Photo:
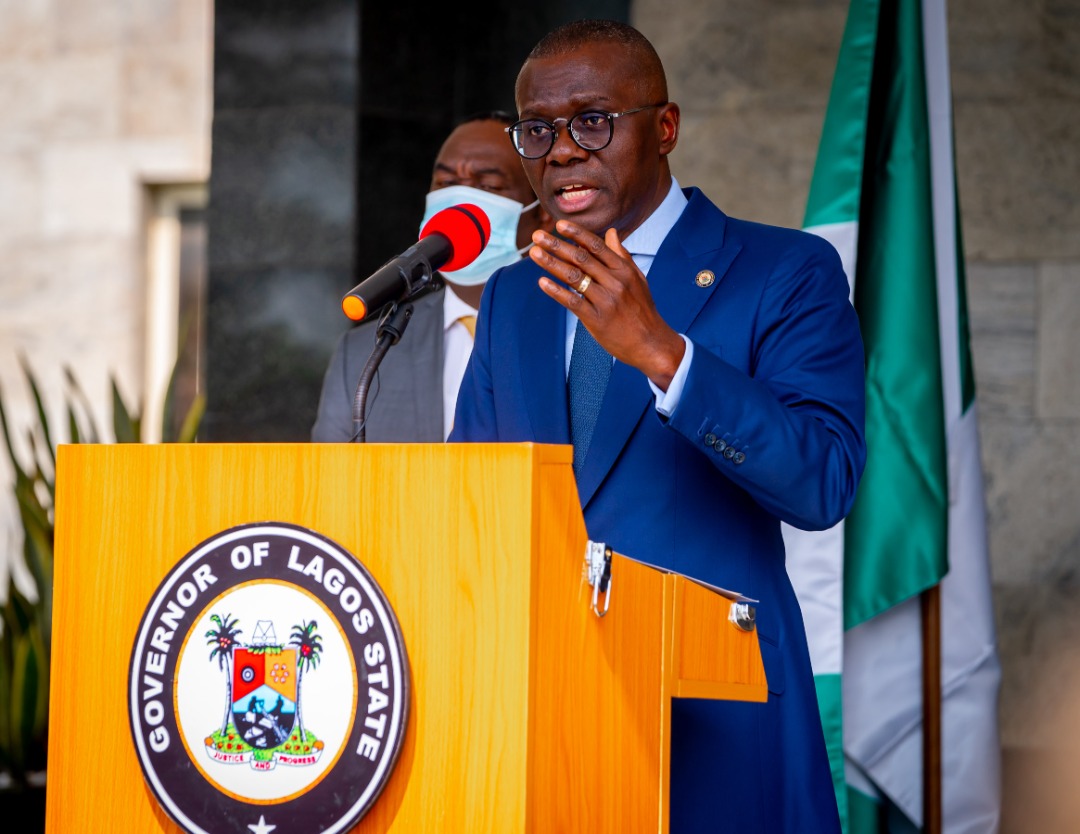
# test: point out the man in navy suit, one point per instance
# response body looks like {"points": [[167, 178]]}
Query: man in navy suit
{"points": [[727, 397]]}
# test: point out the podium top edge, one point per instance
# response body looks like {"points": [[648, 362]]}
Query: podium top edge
{"points": [[545, 452]]}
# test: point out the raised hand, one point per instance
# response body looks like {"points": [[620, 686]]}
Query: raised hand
{"points": [[603, 287]]}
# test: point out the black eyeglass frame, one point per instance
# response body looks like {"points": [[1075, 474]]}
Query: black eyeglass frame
{"points": [[516, 127]]}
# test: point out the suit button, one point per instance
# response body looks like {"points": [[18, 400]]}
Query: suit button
{"points": [[710, 439], [720, 445], [729, 452], [739, 458]]}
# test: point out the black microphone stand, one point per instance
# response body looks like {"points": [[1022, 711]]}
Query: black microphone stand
{"points": [[389, 334]]}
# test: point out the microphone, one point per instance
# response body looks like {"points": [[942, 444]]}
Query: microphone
{"points": [[451, 239]]}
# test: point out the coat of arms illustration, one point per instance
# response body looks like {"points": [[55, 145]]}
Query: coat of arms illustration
{"points": [[262, 723]]}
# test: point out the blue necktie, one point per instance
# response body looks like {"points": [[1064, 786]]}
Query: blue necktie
{"points": [[590, 368]]}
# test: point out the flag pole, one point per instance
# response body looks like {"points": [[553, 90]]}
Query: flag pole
{"points": [[930, 600]]}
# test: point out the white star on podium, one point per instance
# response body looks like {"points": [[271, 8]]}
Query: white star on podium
{"points": [[261, 827]]}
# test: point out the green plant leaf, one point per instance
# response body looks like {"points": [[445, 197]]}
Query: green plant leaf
{"points": [[38, 552], [19, 471], [73, 425], [39, 656], [42, 416], [190, 428], [92, 434], [169, 405], [38, 476], [187, 430], [26, 634], [125, 426], [25, 682], [29, 501], [18, 613]]}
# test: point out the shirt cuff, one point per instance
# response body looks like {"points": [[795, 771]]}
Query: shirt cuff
{"points": [[667, 401]]}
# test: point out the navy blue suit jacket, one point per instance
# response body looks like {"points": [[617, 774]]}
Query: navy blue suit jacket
{"points": [[777, 375]]}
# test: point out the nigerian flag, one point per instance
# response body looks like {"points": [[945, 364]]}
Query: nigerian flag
{"points": [[884, 194]]}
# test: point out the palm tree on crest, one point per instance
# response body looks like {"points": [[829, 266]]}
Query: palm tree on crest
{"points": [[308, 645], [222, 640]]}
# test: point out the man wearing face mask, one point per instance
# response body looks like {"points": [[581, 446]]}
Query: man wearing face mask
{"points": [[413, 399]]}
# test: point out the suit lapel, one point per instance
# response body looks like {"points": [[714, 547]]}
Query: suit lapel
{"points": [[541, 343], [696, 243]]}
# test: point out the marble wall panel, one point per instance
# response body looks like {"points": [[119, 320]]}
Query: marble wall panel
{"points": [[162, 87], [88, 189], [283, 54], [77, 25], [170, 22], [283, 187], [281, 212], [81, 305], [27, 33], [739, 54], [1003, 315], [82, 91], [1018, 165], [268, 331], [1006, 51], [754, 163], [1058, 381], [20, 195]]}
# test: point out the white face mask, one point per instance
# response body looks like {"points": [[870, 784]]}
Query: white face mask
{"points": [[502, 212]]}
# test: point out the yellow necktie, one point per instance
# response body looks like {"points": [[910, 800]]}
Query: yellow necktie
{"points": [[470, 324]]}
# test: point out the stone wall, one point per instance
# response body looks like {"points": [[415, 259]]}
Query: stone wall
{"points": [[753, 79], [99, 100]]}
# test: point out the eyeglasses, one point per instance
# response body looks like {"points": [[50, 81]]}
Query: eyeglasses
{"points": [[591, 130]]}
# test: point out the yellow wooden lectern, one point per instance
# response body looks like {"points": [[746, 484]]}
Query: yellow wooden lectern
{"points": [[529, 713]]}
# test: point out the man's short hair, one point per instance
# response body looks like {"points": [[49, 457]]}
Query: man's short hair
{"points": [[571, 36]]}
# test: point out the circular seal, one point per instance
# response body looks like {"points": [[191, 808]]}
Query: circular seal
{"points": [[705, 278], [269, 685]]}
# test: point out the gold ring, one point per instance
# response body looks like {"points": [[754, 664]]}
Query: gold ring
{"points": [[584, 285]]}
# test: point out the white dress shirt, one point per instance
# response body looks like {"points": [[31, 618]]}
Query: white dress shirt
{"points": [[457, 347]]}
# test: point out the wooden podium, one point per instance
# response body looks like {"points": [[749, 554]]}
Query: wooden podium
{"points": [[528, 712]]}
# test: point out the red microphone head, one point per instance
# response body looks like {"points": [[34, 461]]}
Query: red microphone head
{"points": [[466, 227]]}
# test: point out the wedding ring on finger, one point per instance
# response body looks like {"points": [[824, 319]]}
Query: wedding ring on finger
{"points": [[584, 285]]}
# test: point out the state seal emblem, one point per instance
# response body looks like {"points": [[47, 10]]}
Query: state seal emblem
{"points": [[268, 686]]}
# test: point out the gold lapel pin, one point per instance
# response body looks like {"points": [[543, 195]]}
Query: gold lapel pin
{"points": [[705, 278]]}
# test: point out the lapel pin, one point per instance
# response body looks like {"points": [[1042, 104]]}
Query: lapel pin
{"points": [[705, 278]]}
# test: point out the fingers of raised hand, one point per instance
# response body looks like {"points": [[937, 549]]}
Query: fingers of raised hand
{"points": [[572, 301], [565, 261], [591, 244]]}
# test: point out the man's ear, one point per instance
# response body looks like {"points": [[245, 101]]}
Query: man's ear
{"points": [[669, 128]]}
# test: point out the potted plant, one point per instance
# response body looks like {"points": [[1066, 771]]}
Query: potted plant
{"points": [[26, 619]]}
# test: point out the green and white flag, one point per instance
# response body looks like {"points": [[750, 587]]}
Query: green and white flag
{"points": [[884, 194]]}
